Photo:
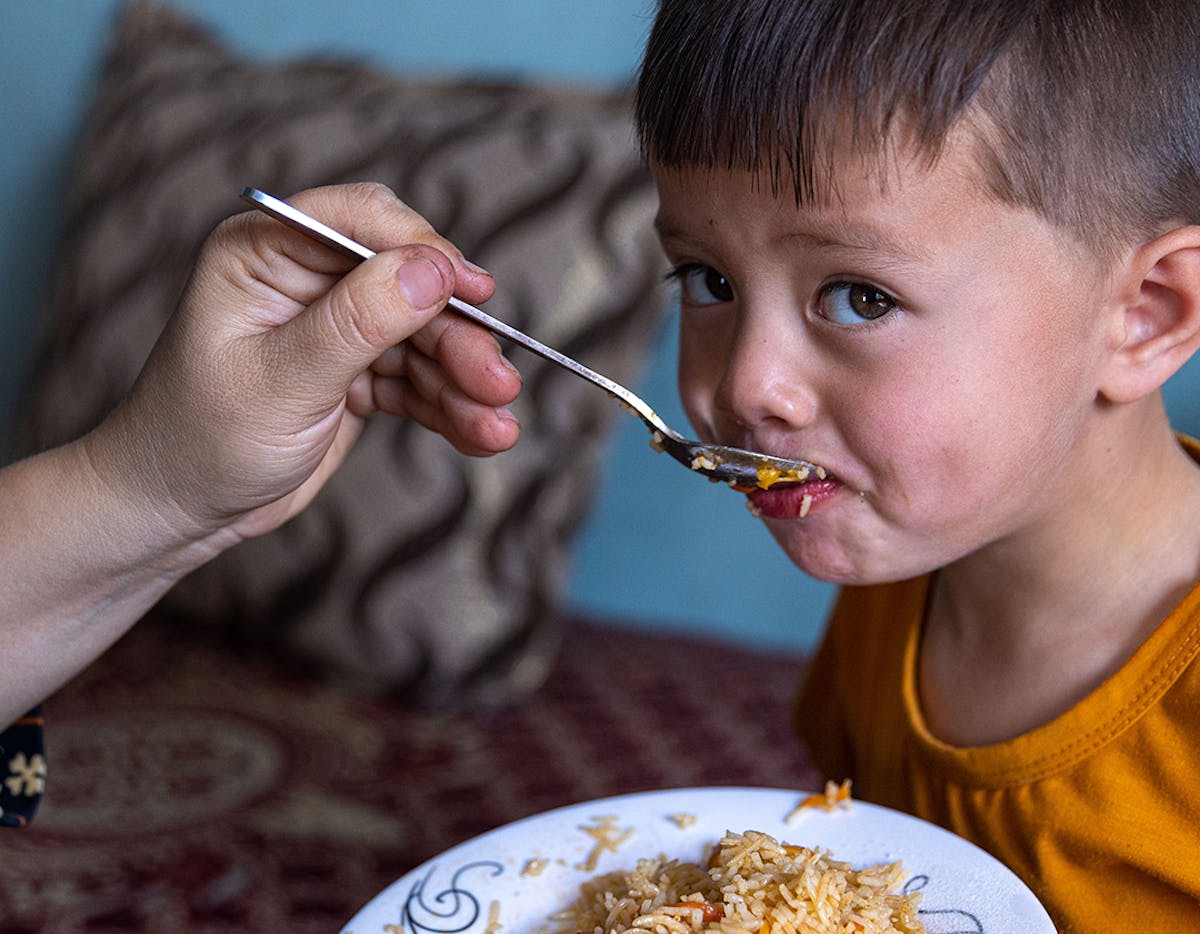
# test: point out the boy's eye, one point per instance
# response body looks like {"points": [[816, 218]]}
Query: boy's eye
{"points": [[854, 303], [702, 285]]}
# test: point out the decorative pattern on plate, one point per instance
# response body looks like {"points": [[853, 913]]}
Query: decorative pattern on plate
{"points": [[452, 910], [943, 920]]}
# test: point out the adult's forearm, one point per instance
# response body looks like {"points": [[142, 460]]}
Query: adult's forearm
{"points": [[83, 561]]}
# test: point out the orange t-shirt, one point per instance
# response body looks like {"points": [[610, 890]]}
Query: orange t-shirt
{"points": [[1098, 810]]}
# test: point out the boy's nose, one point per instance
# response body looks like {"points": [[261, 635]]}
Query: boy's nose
{"points": [[767, 385]]}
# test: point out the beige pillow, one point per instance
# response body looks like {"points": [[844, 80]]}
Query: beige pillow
{"points": [[418, 570]]}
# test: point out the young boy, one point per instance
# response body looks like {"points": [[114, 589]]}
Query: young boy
{"points": [[947, 250]]}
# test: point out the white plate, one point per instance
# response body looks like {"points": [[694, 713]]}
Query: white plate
{"points": [[489, 879]]}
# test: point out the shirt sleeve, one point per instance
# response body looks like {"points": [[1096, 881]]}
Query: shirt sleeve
{"points": [[22, 770]]}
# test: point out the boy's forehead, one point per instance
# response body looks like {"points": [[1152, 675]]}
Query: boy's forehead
{"points": [[906, 211], [852, 185], [828, 177], [703, 209]]}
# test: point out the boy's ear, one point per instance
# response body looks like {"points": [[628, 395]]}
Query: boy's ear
{"points": [[1157, 326]]}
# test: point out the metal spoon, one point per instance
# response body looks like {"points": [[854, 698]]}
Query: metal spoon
{"points": [[741, 469]]}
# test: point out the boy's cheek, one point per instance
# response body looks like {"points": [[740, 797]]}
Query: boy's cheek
{"points": [[699, 378], [698, 407]]}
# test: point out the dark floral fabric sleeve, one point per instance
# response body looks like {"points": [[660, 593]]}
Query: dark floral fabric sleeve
{"points": [[22, 770]]}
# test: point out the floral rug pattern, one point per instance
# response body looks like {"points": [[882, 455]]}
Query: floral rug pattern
{"points": [[190, 789]]}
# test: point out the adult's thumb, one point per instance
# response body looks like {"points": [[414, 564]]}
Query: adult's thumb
{"points": [[375, 306], [421, 282]]}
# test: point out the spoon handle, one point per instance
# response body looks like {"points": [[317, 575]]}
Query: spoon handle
{"points": [[313, 228]]}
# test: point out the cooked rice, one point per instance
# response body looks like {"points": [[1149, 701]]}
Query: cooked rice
{"points": [[493, 921], [755, 885], [607, 836]]}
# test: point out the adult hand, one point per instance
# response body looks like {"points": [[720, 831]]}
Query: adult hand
{"points": [[253, 395], [281, 348]]}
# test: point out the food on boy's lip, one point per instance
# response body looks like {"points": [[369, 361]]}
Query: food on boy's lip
{"points": [[790, 500], [751, 884]]}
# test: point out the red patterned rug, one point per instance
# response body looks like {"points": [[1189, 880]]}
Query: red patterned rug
{"points": [[190, 790]]}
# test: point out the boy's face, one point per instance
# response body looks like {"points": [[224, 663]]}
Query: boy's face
{"points": [[937, 352]]}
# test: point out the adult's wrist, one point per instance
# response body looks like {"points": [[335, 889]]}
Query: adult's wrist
{"points": [[133, 497]]}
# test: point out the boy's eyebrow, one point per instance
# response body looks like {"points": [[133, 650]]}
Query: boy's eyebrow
{"points": [[667, 231], [862, 239]]}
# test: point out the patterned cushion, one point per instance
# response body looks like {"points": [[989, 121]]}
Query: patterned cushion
{"points": [[418, 570]]}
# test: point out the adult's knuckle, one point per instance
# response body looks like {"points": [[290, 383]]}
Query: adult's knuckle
{"points": [[352, 320], [393, 223], [373, 197]]}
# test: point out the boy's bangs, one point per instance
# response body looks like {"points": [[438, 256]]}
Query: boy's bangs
{"points": [[1084, 111], [781, 89]]}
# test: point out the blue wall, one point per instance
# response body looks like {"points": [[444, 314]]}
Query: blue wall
{"points": [[646, 554]]}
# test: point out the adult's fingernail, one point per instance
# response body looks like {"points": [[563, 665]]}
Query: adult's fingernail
{"points": [[421, 282], [474, 267], [509, 366]]}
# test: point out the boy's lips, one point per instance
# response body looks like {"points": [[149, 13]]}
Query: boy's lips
{"points": [[792, 500]]}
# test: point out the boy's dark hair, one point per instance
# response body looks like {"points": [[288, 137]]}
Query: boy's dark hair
{"points": [[1087, 111]]}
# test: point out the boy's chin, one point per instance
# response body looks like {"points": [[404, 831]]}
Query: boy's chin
{"points": [[855, 565]]}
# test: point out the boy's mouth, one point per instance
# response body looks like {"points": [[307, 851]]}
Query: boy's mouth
{"points": [[791, 500]]}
